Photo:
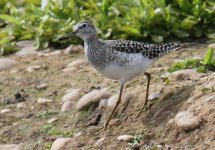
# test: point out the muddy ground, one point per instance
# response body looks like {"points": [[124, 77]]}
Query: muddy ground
{"points": [[152, 130]]}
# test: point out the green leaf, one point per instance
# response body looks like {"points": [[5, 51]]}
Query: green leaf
{"points": [[10, 19], [201, 69], [208, 59]]}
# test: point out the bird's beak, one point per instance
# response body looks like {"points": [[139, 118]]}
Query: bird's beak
{"points": [[71, 34]]}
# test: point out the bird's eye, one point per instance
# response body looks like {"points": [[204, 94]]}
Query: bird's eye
{"points": [[84, 25]]}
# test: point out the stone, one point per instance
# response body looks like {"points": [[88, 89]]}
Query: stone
{"points": [[26, 48], [91, 98], [42, 86], [100, 142], [126, 138], [66, 106], [33, 68], [59, 143], [186, 74], [113, 99], [44, 101], [3, 111], [186, 120], [79, 63], [73, 49], [6, 63], [10, 147], [52, 120], [56, 52], [70, 69], [73, 95], [154, 96], [21, 105], [212, 46]]}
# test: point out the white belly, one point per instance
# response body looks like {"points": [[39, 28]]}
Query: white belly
{"points": [[135, 68]]}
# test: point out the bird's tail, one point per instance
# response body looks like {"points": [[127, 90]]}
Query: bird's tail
{"points": [[164, 48]]}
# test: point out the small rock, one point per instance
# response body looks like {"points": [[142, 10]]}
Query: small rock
{"points": [[20, 105], [14, 71], [73, 95], [100, 142], [10, 147], [59, 143], [73, 49], [66, 106], [91, 98], [126, 138], [165, 75], [42, 86], [3, 111], [52, 120], [103, 103], [78, 63], [56, 52], [154, 96], [78, 134], [44, 100], [33, 68], [186, 74], [26, 48], [113, 99], [6, 63], [70, 69], [212, 46], [187, 121]]}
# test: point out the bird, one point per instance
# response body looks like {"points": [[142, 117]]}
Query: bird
{"points": [[121, 60]]}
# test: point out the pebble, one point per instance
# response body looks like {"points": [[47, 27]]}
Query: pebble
{"points": [[3, 111], [154, 96], [57, 52], [44, 100], [34, 68], [126, 138], [20, 105], [70, 69], [186, 74], [90, 98], [212, 46], [42, 86], [6, 63], [10, 147], [72, 95], [59, 143], [52, 120], [27, 48], [79, 63], [187, 120], [111, 102], [100, 142], [66, 106], [73, 49]]}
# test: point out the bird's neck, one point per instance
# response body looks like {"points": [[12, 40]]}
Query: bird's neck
{"points": [[92, 42]]}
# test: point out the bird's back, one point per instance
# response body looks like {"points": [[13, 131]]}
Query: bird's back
{"points": [[151, 51]]}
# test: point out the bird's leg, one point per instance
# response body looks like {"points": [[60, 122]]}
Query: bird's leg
{"points": [[147, 93], [117, 103]]}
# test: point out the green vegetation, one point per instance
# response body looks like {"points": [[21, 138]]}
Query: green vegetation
{"points": [[51, 130], [208, 63], [148, 20]]}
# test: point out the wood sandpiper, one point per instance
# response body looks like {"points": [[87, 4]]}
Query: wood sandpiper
{"points": [[120, 60]]}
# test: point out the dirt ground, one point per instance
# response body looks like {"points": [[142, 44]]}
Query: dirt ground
{"points": [[153, 130]]}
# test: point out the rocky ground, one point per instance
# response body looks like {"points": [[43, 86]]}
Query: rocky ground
{"points": [[56, 100]]}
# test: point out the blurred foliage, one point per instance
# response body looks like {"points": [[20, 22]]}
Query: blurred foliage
{"points": [[148, 20], [207, 64]]}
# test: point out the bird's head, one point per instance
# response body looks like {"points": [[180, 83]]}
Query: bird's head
{"points": [[83, 29]]}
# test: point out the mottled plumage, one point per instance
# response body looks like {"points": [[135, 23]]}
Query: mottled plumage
{"points": [[119, 59]]}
